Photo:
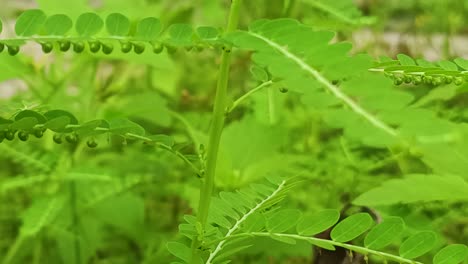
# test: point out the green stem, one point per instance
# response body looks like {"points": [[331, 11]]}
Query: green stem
{"points": [[13, 250], [247, 95], [220, 105]]}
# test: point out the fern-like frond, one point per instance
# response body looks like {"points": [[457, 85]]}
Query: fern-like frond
{"points": [[305, 61], [270, 196], [55, 31], [231, 213]]}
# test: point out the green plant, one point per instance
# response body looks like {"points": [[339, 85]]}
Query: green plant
{"points": [[352, 97]]}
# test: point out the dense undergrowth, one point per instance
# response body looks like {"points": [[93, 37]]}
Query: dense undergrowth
{"points": [[150, 133]]}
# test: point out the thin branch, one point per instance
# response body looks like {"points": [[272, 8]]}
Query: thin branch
{"points": [[248, 94]]}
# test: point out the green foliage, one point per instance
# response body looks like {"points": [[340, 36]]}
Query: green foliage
{"points": [[416, 188], [409, 71], [50, 31]]}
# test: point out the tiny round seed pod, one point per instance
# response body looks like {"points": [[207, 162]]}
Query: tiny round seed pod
{"points": [[189, 48], [58, 138], [138, 48], [437, 81], [407, 79], [171, 49], [199, 48], [107, 48], [126, 47], [10, 135], [417, 80], [13, 50], [458, 81], [398, 80], [38, 133], [448, 79], [65, 46], [427, 79], [23, 135], [158, 48], [94, 46], [71, 138], [2, 47], [47, 47], [78, 47], [283, 89], [91, 143]]}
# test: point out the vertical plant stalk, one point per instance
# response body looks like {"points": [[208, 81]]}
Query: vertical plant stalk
{"points": [[220, 105]]}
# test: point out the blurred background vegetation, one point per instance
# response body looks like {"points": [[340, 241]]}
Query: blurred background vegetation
{"points": [[130, 198]]}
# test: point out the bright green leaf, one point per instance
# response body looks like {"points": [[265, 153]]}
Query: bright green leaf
{"points": [[88, 24], [181, 34], [451, 254], [148, 29], [418, 244], [117, 24], [30, 22], [123, 127], [405, 60], [351, 227], [283, 220], [312, 224], [207, 32], [179, 250], [384, 233], [58, 25], [416, 188]]}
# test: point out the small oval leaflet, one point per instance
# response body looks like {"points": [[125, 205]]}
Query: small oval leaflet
{"points": [[207, 32], [451, 254], [58, 25], [179, 250], [283, 220], [88, 24], [312, 224], [148, 29], [30, 22], [181, 34], [351, 227], [418, 244], [122, 126], [59, 119], [384, 233], [117, 24]]}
